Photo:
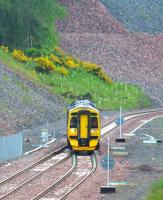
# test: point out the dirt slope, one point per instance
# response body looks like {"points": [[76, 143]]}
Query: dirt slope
{"points": [[23, 104], [88, 17]]}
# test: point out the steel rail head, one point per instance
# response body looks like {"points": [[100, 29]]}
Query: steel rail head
{"points": [[34, 164], [135, 115], [36, 176], [94, 167], [53, 185]]}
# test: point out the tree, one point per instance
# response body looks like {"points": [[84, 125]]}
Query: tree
{"points": [[30, 23]]}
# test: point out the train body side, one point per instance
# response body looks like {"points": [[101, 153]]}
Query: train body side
{"points": [[83, 128]]}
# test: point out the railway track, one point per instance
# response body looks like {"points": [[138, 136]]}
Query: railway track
{"points": [[112, 125], [66, 176], [27, 171], [105, 131], [58, 151], [94, 166]]}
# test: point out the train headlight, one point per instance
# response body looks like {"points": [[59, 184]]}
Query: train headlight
{"points": [[73, 130], [93, 130]]}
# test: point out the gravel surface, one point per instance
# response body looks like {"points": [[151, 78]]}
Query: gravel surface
{"points": [[133, 168], [88, 17], [20, 163], [83, 168], [24, 104], [41, 183]]}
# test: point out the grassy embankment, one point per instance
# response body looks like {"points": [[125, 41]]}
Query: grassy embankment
{"points": [[156, 191], [80, 83]]}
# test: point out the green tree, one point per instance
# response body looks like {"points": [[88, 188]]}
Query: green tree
{"points": [[30, 23]]}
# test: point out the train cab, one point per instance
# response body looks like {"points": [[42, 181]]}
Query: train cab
{"points": [[83, 126]]}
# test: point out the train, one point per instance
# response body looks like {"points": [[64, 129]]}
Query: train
{"points": [[83, 126]]}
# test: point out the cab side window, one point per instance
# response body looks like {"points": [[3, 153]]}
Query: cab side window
{"points": [[73, 122], [94, 122]]}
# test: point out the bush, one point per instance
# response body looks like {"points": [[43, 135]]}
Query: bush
{"points": [[32, 52], [63, 71], [55, 59], [20, 56], [44, 64], [5, 49], [97, 70], [70, 63]]}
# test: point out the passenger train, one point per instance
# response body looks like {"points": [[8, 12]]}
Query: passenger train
{"points": [[83, 126]]}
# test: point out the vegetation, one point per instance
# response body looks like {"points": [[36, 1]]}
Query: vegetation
{"points": [[28, 38], [156, 191], [75, 79], [29, 23], [139, 15]]}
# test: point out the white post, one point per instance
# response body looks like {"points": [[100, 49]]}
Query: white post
{"points": [[120, 123], [54, 134], [108, 180]]}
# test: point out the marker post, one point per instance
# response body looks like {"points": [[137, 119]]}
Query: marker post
{"points": [[108, 188], [120, 139]]}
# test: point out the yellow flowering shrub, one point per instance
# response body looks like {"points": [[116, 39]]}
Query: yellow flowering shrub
{"points": [[20, 56], [101, 74], [45, 64], [5, 49], [90, 66], [96, 70], [55, 59], [63, 71], [70, 63]]}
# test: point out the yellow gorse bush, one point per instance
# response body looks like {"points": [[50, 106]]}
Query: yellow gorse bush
{"points": [[45, 64], [70, 63], [59, 63], [55, 59], [63, 71], [5, 49], [20, 56], [96, 69], [90, 66]]}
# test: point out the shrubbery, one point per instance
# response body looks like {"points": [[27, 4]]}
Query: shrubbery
{"points": [[57, 61], [20, 56]]}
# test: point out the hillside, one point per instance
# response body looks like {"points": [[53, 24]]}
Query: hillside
{"points": [[88, 17], [24, 104], [139, 15], [130, 57]]}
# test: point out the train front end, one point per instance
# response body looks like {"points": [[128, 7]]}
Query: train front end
{"points": [[83, 126]]}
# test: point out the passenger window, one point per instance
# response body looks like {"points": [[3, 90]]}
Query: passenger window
{"points": [[94, 122], [73, 122]]}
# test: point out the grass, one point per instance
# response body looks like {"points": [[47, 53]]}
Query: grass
{"points": [[156, 191], [82, 84]]}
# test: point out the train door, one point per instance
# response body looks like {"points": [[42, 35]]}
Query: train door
{"points": [[84, 128]]}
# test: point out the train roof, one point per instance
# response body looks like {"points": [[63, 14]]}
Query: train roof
{"points": [[82, 103]]}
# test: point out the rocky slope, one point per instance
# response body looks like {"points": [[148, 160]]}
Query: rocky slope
{"points": [[88, 17], [23, 104], [130, 57]]}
